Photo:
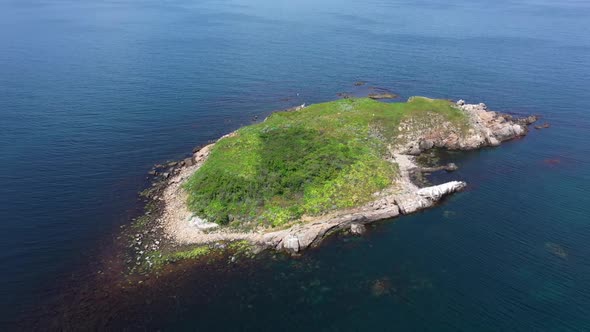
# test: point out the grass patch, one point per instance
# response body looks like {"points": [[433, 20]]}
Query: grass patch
{"points": [[190, 254], [241, 246], [327, 156], [157, 259]]}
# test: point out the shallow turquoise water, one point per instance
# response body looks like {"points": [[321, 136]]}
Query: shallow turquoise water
{"points": [[93, 93]]}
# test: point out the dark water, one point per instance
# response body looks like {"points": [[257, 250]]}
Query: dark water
{"points": [[92, 93]]}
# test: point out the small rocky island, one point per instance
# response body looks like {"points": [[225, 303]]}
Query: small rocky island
{"points": [[304, 173]]}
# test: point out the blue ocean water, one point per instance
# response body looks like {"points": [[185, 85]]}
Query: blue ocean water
{"points": [[92, 93]]}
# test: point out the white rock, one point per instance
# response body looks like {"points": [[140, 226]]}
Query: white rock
{"points": [[435, 193], [202, 224], [291, 242], [426, 197]]}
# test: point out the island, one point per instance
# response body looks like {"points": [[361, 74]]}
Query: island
{"points": [[301, 174]]}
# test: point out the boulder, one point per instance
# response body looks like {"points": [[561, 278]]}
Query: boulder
{"points": [[529, 119], [413, 150], [451, 167], [357, 229], [189, 162], [426, 144], [291, 243]]}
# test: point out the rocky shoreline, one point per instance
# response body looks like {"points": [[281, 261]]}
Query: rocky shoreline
{"points": [[179, 227]]}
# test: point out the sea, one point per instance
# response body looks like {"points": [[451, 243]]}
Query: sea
{"points": [[93, 93]]}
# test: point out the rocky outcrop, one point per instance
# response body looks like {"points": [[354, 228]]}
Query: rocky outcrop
{"points": [[435, 193], [357, 229], [491, 128], [486, 128], [305, 235]]}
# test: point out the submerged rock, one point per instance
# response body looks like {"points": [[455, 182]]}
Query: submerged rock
{"points": [[485, 128], [450, 167], [382, 95], [543, 126], [447, 214], [556, 250], [381, 287]]}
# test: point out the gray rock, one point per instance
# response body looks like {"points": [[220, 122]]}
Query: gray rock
{"points": [[414, 150], [189, 162], [357, 229], [450, 167], [426, 144]]}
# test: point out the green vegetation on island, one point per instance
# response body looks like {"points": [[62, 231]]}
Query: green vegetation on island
{"points": [[318, 159]]}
